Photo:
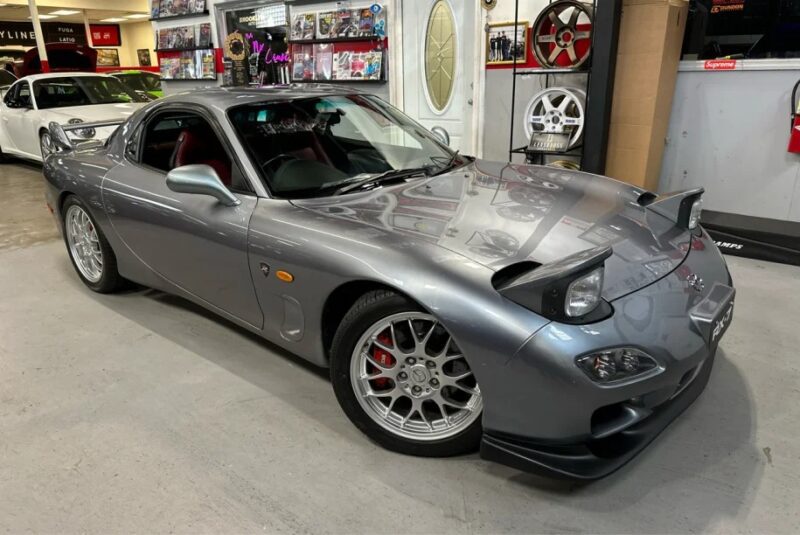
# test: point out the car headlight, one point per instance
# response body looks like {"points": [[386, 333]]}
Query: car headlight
{"points": [[616, 364], [568, 290], [87, 133], [694, 213], [583, 294]]}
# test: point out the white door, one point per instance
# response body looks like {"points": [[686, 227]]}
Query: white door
{"points": [[438, 66]]}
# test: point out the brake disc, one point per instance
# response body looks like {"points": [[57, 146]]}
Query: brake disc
{"points": [[557, 110], [558, 29]]}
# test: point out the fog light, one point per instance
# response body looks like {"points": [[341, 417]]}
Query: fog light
{"points": [[616, 364]]}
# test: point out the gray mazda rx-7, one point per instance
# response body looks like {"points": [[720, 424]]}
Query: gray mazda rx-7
{"points": [[558, 319]]}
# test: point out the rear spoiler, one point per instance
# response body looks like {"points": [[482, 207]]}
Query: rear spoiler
{"points": [[58, 133], [675, 206]]}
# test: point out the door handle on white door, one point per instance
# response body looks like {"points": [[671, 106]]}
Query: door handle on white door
{"points": [[469, 101]]}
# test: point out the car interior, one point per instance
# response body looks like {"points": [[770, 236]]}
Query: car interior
{"points": [[173, 140]]}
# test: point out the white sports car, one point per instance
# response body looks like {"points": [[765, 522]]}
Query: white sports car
{"points": [[33, 102]]}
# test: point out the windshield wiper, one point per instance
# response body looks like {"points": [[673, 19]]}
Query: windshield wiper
{"points": [[393, 174], [451, 162]]}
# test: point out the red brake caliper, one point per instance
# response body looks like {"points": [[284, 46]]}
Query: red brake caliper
{"points": [[385, 359]]}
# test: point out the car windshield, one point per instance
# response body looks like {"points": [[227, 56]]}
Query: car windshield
{"points": [[140, 81], [81, 91], [317, 146]]}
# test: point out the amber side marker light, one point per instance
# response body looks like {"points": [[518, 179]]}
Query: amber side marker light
{"points": [[285, 276]]}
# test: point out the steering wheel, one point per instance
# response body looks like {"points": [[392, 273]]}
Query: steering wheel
{"points": [[267, 166]]}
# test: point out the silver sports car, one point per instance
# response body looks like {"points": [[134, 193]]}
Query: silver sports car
{"points": [[559, 320]]}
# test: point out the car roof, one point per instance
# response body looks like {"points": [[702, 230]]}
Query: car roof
{"points": [[45, 76], [228, 97]]}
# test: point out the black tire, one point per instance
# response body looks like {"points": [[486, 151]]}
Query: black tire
{"points": [[110, 280], [369, 309]]}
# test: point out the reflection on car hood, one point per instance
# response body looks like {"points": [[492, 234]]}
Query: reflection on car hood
{"points": [[500, 214], [94, 113]]}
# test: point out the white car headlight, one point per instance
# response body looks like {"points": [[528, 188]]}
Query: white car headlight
{"points": [[583, 294], [694, 214], [86, 133]]}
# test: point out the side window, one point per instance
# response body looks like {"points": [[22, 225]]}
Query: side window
{"points": [[175, 139], [11, 95], [133, 144], [24, 95]]}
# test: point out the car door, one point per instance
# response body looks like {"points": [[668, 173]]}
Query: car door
{"points": [[191, 240], [17, 105]]}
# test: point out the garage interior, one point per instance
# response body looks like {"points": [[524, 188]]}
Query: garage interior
{"points": [[143, 412]]}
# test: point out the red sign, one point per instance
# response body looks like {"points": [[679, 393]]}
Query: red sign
{"points": [[105, 35], [720, 65]]}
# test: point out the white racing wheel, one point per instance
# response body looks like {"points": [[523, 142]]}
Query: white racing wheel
{"points": [[557, 110]]}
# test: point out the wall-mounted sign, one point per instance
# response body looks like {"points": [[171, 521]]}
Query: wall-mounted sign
{"points": [[64, 32], [17, 33], [105, 35]]}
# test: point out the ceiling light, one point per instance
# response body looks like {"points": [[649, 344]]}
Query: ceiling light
{"points": [[65, 12], [113, 19], [137, 16], [45, 17]]}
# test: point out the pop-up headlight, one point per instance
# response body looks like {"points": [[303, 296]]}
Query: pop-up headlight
{"points": [[568, 290], [583, 294]]}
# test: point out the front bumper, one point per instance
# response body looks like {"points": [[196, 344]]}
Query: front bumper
{"points": [[553, 419]]}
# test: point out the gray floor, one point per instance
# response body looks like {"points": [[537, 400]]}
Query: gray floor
{"points": [[139, 412]]}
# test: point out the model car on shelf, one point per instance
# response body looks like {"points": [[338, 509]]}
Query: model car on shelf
{"points": [[33, 102], [142, 82], [559, 318]]}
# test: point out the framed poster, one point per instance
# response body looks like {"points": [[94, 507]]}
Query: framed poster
{"points": [[107, 57], [144, 57], [500, 48]]}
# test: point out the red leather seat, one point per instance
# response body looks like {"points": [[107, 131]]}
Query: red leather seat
{"points": [[195, 147]]}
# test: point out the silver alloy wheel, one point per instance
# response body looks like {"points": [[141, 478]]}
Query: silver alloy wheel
{"points": [[410, 377], [46, 145], [84, 244]]}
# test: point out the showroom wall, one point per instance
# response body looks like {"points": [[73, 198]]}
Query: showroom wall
{"points": [[497, 87], [135, 36]]}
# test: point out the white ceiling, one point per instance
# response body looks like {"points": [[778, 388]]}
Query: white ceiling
{"points": [[21, 13]]}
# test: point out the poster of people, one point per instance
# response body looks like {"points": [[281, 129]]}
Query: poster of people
{"points": [[500, 48]]}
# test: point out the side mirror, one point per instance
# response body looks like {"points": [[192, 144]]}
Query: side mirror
{"points": [[200, 179], [441, 134]]}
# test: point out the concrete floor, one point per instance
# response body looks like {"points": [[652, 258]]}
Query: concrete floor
{"points": [[141, 412]]}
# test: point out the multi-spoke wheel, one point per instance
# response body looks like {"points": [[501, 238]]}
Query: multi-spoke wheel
{"points": [[89, 251], [402, 379], [46, 145], [562, 34], [557, 110]]}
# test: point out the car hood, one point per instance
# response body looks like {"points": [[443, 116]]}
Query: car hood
{"points": [[93, 113], [501, 214]]}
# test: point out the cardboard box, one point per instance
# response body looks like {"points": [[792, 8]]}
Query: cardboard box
{"points": [[651, 35]]}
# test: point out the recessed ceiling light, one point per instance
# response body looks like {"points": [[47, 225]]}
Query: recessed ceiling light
{"points": [[45, 17], [64, 12], [113, 19], [137, 16]]}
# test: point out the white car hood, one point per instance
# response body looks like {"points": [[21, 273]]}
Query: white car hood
{"points": [[93, 113]]}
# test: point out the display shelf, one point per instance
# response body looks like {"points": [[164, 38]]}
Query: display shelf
{"points": [[525, 150], [328, 40], [541, 71], [189, 49], [191, 79], [334, 82], [181, 16]]}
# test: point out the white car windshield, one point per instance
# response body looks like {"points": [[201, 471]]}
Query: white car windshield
{"points": [[81, 91]]}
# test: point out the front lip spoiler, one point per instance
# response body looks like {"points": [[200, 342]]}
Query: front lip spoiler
{"points": [[598, 458]]}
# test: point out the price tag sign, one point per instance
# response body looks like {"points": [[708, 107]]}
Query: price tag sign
{"points": [[545, 142]]}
